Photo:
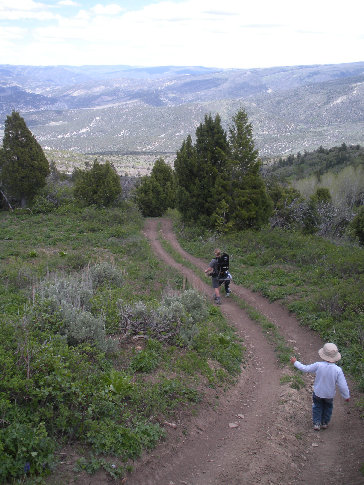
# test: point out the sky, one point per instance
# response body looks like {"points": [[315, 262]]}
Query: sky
{"points": [[212, 33]]}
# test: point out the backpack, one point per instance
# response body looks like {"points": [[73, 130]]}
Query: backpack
{"points": [[223, 263]]}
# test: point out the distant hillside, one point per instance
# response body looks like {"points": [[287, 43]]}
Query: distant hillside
{"points": [[318, 162], [339, 169], [120, 109]]}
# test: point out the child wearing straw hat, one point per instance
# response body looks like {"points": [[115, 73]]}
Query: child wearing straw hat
{"points": [[328, 376]]}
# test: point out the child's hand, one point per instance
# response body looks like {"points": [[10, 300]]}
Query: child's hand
{"points": [[293, 360]]}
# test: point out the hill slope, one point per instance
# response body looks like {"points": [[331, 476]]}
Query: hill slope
{"points": [[122, 109]]}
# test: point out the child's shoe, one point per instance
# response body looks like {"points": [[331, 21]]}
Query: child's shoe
{"points": [[324, 426], [228, 293], [317, 427], [218, 301]]}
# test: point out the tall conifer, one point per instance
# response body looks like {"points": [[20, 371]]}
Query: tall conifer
{"points": [[157, 192], [24, 166], [199, 169], [250, 203], [218, 178]]}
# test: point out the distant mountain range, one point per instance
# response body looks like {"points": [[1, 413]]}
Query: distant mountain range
{"points": [[123, 109]]}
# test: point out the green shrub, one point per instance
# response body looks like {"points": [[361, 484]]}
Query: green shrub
{"points": [[176, 314], [75, 261], [126, 442], [119, 383], [105, 273], [66, 303], [357, 225], [145, 361], [99, 185], [25, 450], [42, 205]]}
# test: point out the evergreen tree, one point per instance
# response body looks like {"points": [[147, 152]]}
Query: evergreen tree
{"points": [[99, 185], [218, 179], [186, 173], [212, 159], [250, 203], [24, 167], [357, 225], [201, 170], [244, 156], [156, 193]]}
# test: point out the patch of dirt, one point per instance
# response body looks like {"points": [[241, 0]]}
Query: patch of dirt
{"points": [[260, 431]]}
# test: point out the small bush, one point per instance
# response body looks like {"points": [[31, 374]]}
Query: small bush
{"points": [[119, 383], [42, 205], [122, 441], [25, 449], [357, 225], [53, 196], [176, 315], [66, 301], [105, 273], [145, 361], [99, 185]]}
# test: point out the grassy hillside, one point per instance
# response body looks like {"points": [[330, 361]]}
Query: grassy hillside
{"points": [[99, 343], [339, 169], [317, 162], [321, 282]]}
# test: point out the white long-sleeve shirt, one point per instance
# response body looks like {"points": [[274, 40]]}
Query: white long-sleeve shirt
{"points": [[328, 376]]}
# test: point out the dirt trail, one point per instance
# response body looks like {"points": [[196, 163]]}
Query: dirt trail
{"points": [[273, 443]]}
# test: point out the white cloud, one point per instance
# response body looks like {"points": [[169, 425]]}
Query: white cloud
{"points": [[68, 3], [24, 10], [11, 33], [111, 9], [204, 32]]}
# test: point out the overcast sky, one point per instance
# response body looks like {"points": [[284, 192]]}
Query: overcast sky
{"points": [[212, 33]]}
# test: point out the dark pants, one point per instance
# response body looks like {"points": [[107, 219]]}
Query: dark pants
{"points": [[321, 409]]}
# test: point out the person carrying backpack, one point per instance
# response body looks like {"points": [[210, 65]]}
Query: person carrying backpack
{"points": [[219, 270]]}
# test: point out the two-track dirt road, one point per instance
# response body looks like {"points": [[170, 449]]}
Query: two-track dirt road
{"points": [[273, 442]]}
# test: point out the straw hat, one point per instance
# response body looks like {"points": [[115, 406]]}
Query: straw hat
{"points": [[329, 353]]}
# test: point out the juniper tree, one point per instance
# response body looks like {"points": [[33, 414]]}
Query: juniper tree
{"points": [[99, 185], [24, 167], [156, 193], [250, 203], [186, 173], [201, 170], [218, 178]]}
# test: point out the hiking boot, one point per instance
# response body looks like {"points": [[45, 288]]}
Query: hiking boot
{"points": [[228, 293], [218, 301], [316, 427]]}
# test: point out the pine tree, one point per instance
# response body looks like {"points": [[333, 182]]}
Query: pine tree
{"points": [[186, 173], [243, 152], [24, 167], [156, 193], [99, 185], [218, 178], [200, 169], [250, 206]]}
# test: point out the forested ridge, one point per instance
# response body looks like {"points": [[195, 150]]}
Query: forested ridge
{"points": [[317, 162]]}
